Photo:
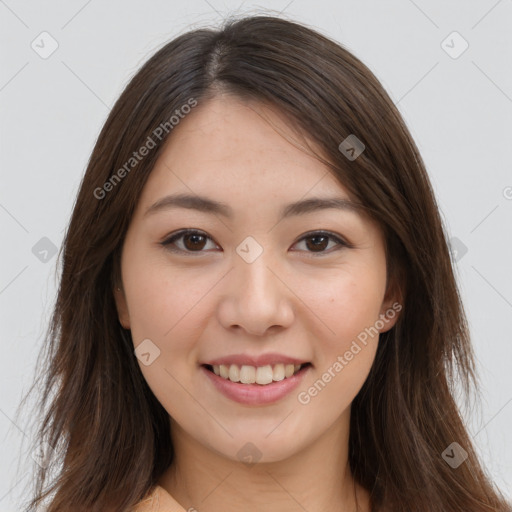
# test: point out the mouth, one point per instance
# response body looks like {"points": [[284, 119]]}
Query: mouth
{"points": [[257, 375]]}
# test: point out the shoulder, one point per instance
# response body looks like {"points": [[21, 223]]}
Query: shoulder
{"points": [[158, 500]]}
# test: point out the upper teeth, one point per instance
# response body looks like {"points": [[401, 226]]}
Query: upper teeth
{"points": [[252, 374]]}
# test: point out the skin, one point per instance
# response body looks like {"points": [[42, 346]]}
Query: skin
{"points": [[292, 300]]}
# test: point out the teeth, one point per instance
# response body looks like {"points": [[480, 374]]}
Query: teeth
{"points": [[247, 374], [278, 373], [234, 373], [223, 371], [259, 375], [264, 375]]}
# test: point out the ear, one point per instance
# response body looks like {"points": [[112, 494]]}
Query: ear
{"points": [[391, 306], [122, 308]]}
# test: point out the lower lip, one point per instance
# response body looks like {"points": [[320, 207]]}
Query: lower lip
{"points": [[256, 394]]}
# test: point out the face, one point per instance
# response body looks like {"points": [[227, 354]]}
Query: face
{"points": [[251, 285]]}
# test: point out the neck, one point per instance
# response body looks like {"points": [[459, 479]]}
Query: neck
{"points": [[316, 479]]}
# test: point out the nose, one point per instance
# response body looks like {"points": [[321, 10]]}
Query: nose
{"points": [[256, 298]]}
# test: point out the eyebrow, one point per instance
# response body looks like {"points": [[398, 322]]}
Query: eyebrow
{"points": [[204, 204]]}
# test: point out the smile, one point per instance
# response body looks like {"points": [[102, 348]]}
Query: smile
{"points": [[261, 375], [253, 392]]}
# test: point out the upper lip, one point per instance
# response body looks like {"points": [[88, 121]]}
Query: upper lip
{"points": [[261, 360]]}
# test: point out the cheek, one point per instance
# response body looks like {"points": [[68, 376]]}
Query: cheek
{"points": [[349, 306], [345, 356], [347, 303], [167, 306], [162, 298]]}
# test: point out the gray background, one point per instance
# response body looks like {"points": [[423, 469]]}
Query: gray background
{"points": [[459, 111]]}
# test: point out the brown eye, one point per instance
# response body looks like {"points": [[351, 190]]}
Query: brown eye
{"points": [[318, 242], [190, 241], [194, 242]]}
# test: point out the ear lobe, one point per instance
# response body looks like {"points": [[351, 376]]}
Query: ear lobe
{"points": [[122, 308], [389, 316], [391, 307]]}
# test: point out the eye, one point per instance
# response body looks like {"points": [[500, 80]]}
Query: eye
{"points": [[194, 241], [318, 241]]}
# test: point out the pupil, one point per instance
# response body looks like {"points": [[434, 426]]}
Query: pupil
{"points": [[319, 244], [195, 238]]}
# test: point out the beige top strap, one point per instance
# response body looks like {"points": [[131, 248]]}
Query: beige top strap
{"points": [[158, 500]]}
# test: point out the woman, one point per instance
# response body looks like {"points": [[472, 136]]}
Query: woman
{"points": [[257, 307]]}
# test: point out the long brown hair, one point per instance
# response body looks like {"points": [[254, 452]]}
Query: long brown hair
{"points": [[108, 434]]}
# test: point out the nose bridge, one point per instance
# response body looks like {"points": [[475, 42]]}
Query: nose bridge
{"points": [[254, 276], [258, 297]]}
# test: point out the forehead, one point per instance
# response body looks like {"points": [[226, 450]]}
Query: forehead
{"points": [[238, 151]]}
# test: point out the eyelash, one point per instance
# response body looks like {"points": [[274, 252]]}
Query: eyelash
{"points": [[180, 234]]}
